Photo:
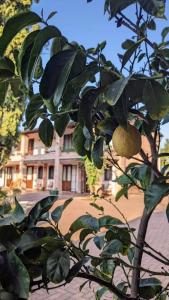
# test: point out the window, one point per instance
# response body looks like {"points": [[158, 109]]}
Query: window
{"points": [[67, 173], [67, 142], [51, 172], [30, 146], [108, 174], [40, 173]]}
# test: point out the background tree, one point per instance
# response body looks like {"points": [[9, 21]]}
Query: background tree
{"points": [[82, 85], [11, 109]]}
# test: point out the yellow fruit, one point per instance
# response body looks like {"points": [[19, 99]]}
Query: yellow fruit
{"points": [[126, 142]]}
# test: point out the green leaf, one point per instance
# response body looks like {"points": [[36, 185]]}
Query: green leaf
{"points": [[38, 69], [114, 91], [100, 293], [141, 56], [7, 64], [32, 108], [108, 266], [127, 44], [108, 221], [86, 108], [127, 55], [58, 265], [151, 25], [15, 25], [57, 45], [86, 221], [149, 287], [114, 6], [56, 75], [99, 241], [16, 215], [24, 55], [51, 15], [97, 153], [121, 193], [153, 7], [57, 212], [39, 209], [60, 123], [76, 268], [164, 33], [46, 132], [154, 194], [156, 99], [112, 247], [41, 39], [15, 279], [79, 140], [4, 85]]}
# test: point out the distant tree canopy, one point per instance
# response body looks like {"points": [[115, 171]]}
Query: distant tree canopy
{"points": [[11, 110]]}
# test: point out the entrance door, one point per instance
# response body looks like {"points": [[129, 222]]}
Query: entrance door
{"points": [[66, 178], [9, 176], [29, 177]]}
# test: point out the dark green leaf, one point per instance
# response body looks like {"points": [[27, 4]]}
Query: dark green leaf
{"points": [[97, 153], [86, 108], [56, 74], [108, 221], [151, 25], [15, 216], [154, 195], [149, 287], [32, 108], [84, 233], [58, 265], [99, 241], [3, 91], [141, 56], [127, 55], [164, 33], [39, 209], [85, 221], [57, 212], [121, 193], [114, 91], [114, 6], [15, 279], [156, 99], [57, 45], [7, 64], [101, 208], [127, 44], [46, 132], [100, 293], [42, 38], [79, 140], [51, 15], [24, 55], [15, 25], [112, 247], [76, 268], [60, 123], [153, 7]]}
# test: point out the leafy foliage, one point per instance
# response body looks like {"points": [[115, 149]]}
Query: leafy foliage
{"points": [[82, 86]]}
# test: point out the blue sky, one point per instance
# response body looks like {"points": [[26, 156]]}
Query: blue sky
{"points": [[87, 24]]}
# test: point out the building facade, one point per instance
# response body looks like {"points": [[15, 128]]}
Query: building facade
{"points": [[32, 166]]}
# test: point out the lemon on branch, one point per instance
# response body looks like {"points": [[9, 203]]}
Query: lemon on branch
{"points": [[126, 142]]}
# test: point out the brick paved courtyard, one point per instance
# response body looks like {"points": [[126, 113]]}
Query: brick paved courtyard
{"points": [[157, 237]]}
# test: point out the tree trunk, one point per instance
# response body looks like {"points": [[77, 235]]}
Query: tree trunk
{"points": [[139, 253]]}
